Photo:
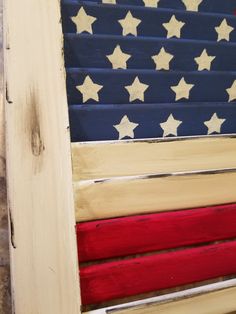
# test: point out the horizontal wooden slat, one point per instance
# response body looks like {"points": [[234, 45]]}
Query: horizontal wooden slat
{"points": [[217, 298], [147, 233], [158, 89], [98, 123], [126, 196], [92, 51], [221, 302], [152, 20], [108, 159], [134, 276], [212, 6]]}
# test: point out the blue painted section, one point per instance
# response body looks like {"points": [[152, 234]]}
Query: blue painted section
{"points": [[90, 51], [96, 122], [209, 86], [213, 6], [198, 26], [86, 56]]}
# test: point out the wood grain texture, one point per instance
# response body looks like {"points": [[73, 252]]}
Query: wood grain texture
{"points": [[134, 276], [43, 243], [147, 233], [125, 196], [109, 159]]}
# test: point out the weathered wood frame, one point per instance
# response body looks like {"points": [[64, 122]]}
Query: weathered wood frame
{"points": [[40, 196], [39, 174]]}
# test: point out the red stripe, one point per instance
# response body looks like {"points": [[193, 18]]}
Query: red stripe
{"points": [[147, 233], [121, 279]]}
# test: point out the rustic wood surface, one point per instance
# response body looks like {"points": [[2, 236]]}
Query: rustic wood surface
{"points": [[44, 264], [154, 232], [125, 196], [194, 296], [5, 299], [218, 302], [105, 160], [120, 279]]}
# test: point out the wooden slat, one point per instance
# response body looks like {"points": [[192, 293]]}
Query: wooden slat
{"points": [[148, 233], [212, 6], [159, 83], [126, 196], [221, 302], [102, 160], [207, 295], [149, 116], [134, 276], [43, 243], [83, 50], [152, 20]]}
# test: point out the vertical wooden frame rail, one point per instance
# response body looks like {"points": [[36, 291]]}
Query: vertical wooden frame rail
{"points": [[40, 198]]}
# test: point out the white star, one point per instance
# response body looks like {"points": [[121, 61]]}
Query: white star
{"points": [[214, 124], [232, 91], [182, 90], [118, 58], [173, 27], [223, 30], [162, 60], [204, 61], [192, 5], [129, 24], [136, 90], [170, 126], [151, 3], [125, 128], [109, 1], [89, 89], [83, 21]]}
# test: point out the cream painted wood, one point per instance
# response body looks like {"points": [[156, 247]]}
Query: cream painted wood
{"points": [[138, 157], [40, 197], [220, 302], [124, 196]]}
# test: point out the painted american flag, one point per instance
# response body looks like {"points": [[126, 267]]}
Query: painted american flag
{"points": [[148, 68]]}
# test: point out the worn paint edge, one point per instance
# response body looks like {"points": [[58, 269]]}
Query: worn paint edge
{"points": [[153, 176], [169, 297], [154, 140]]}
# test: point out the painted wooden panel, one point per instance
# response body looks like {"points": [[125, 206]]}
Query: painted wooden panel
{"points": [[217, 298], [110, 159], [198, 27], [140, 121], [124, 196], [159, 86], [213, 6], [120, 279], [44, 266], [147, 233], [101, 51], [220, 302]]}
